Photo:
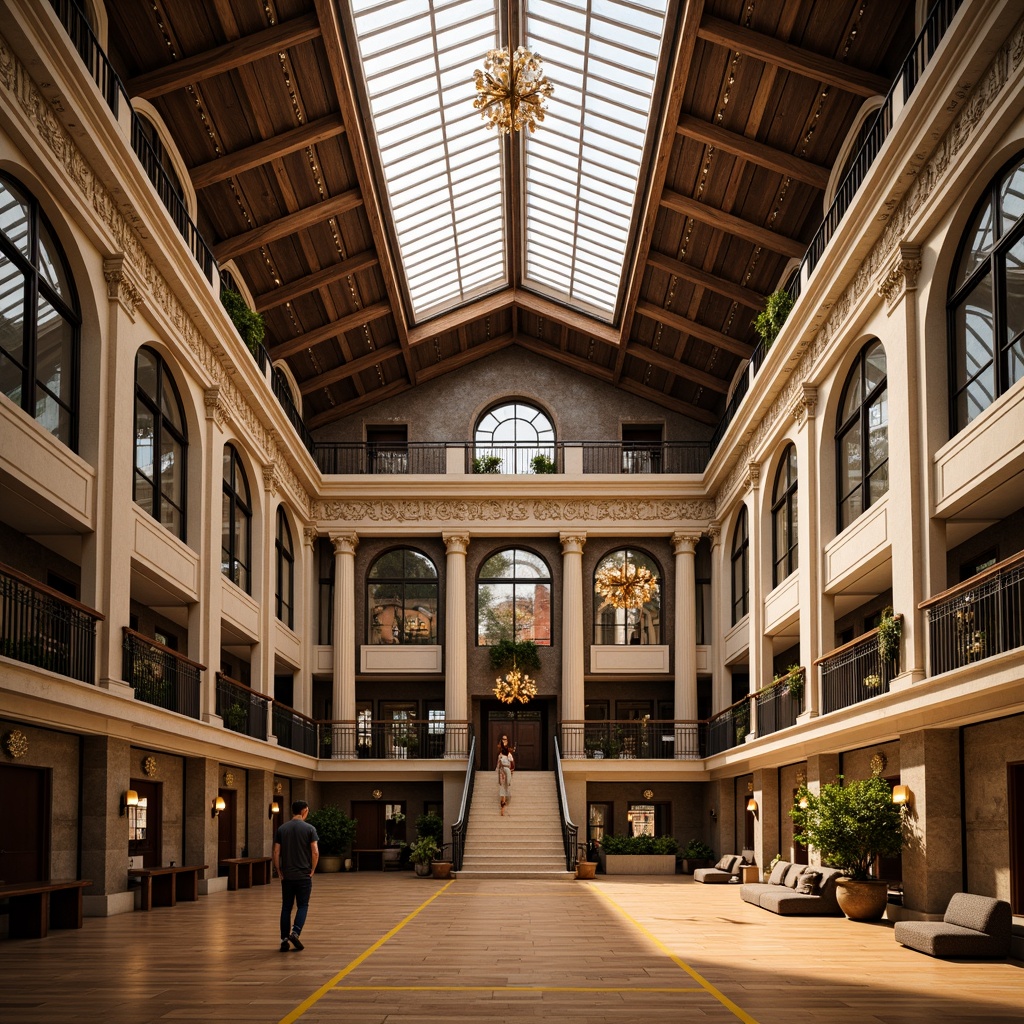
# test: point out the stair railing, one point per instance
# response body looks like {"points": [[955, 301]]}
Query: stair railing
{"points": [[569, 830], [459, 828]]}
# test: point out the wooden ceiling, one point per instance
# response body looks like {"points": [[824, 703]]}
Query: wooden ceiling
{"points": [[259, 97]]}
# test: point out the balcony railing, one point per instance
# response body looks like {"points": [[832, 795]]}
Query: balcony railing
{"points": [[159, 675], [645, 457], [42, 627], [778, 704], [357, 458], [855, 672], [627, 739], [729, 727], [241, 707], [293, 729], [394, 740], [979, 618], [283, 393]]}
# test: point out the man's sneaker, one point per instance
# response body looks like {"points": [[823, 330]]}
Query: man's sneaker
{"points": [[284, 946], [294, 940]]}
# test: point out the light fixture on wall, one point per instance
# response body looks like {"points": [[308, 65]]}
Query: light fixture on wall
{"points": [[804, 803], [275, 808], [129, 798], [752, 805], [218, 806], [901, 795]]}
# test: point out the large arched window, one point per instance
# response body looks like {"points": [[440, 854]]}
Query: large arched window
{"points": [[513, 598], [740, 572], [784, 518], [514, 438], [236, 536], [986, 301], [40, 322], [401, 599], [161, 443], [619, 617], [285, 558], [862, 436]]}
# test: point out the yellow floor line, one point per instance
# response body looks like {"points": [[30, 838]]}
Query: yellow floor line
{"points": [[700, 979], [603, 990]]}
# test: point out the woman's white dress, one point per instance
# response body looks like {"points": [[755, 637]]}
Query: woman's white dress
{"points": [[505, 775]]}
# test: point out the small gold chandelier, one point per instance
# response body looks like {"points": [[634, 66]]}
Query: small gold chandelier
{"points": [[515, 686], [626, 585], [511, 90]]}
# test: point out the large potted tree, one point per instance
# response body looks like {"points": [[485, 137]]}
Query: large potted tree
{"points": [[336, 831], [851, 825]]}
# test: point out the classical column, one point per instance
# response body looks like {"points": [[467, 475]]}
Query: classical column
{"points": [[343, 698], [307, 620], [759, 564], [721, 590], [456, 705], [685, 622], [572, 644]]}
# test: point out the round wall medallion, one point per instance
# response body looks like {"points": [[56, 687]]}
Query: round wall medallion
{"points": [[229, 778], [878, 763], [149, 766], [377, 794], [648, 793], [279, 788], [16, 744]]}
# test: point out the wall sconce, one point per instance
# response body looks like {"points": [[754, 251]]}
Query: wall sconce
{"points": [[901, 795], [129, 798], [275, 808], [218, 806], [752, 805], [714, 814], [803, 803]]}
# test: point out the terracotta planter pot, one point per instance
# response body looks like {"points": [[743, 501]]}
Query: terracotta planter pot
{"points": [[586, 869], [441, 868], [861, 901], [328, 863]]}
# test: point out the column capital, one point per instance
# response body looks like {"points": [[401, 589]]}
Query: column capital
{"points": [[123, 285], [714, 531], [805, 403], [899, 275], [271, 478], [310, 535], [455, 543], [344, 543], [572, 543], [216, 408], [753, 474], [685, 542]]}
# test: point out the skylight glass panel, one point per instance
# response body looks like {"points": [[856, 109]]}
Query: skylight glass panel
{"points": [[584, 163], [442, 170]]}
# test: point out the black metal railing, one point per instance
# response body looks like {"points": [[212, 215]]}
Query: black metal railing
{"points": [[513, 458], [293, 729], [81, 35], [570, 830], [644, 457], [241, 708], [160, 676], [462, 822], [729, 727], [979, 618], [40, 626], [855, 672], [283, 393], [778, 704], [357, 458], [398, 740], [625, 739]]}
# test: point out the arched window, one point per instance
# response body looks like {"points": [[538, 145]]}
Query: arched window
{"points": [[401, 599], [784, 521], [986, 301], [161, 443], [155, 157], [285, 558], [514, 438], [40, 323], [626, 611], [740, 574], [862, 436], [236, 536], [513, 598]]}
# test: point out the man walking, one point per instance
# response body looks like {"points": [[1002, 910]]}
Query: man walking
{"points": [[296, 851]]}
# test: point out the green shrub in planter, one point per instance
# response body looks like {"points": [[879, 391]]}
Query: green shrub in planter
{"points": [[639, 844], [336, 829], [248, 322]]}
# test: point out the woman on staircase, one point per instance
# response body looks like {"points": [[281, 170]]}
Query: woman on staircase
{"points": [[505, 767]]}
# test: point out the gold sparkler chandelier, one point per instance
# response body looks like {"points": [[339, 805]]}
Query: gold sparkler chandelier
{"points": [[626, 585], [511, 90], [516, 685]]}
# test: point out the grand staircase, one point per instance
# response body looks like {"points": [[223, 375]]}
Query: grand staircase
{"points": [[525, 842]]}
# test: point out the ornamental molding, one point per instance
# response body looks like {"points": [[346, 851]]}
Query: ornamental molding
{"points": [[455, 543], [900, 275], [344, 543], [684, 543], [216, 408], [753, 475], [804, 406], [310, 536], [122, 286], [271, 477]]}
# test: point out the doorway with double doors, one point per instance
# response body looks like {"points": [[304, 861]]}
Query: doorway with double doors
{"points": [[526, 731]]}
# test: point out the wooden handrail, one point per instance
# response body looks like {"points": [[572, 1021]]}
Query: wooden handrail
{"points": [[992, 570], [50, 592], [150, 642], [852, 643], [242, 686], [291, 710]]}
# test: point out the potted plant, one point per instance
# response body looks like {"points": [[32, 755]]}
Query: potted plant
{"points": [[851, 826], [441, 867], [422, 853], [585, 868], [741, 721], [336, 831], [795, 681], [696, 854], [248, 322], [236, 716], [639, 855], [430, 825], [487, 464], [769, 321], [542, 464], [890, 629]]}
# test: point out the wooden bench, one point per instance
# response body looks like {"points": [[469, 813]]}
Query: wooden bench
{"points": [[245, 872], [35, 907], [164, 887]]}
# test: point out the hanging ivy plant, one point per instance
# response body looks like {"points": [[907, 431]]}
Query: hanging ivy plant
{"points": [[522, 652], [248, 322], [769, 321], [890, 630]]}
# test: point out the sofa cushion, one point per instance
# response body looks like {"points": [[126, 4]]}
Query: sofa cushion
{"points": [[807, 882], [712, 875], [982, 913], [778, 873], [937, 938], [792, 876], [724, 863]]}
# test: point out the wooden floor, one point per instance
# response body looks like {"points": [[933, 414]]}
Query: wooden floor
{"points": [[404, 950]]}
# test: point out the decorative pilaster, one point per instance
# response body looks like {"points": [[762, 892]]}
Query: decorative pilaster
{"points": [[572, 643], [685, 545], [456, 702], [123, 286], [899, 275], [343, 701]]}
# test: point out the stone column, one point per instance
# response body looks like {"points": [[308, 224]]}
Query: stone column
{"points": [[759, 566], [307, 620], [259, 794], [721, 589], [572, 644], [685, 629], [456, 703], [821, 770], [343, 696], [202, 782], [766, 818]]}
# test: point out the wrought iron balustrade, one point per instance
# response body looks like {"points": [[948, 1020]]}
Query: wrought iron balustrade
{"points": [[354, 458], [979, 618], [42, 627], [645, 456], [160, 676], [855, 672], [729, 727], [778, 704], [241, 707], [626, 739], [397, 740], [283, 393], [293, 729]]}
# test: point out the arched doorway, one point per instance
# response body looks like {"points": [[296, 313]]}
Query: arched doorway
{"points": [[526, 731]]}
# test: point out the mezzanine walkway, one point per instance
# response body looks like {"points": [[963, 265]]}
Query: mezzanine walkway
{"points": [[400, 949]]}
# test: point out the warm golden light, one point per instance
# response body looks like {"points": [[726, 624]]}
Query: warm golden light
{"points": [[626, 585], [752, 805], [515, 686], [129, 799], [218, 806], [511, 91], [275, 808], [901, 795]]}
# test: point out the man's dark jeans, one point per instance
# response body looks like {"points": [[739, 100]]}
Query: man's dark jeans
{"points": [[295, 891]]}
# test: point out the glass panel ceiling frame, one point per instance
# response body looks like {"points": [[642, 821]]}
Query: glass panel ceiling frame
{"points": [[444, 173]]}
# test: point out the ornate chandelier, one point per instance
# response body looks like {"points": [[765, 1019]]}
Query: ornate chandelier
{"points": [[626, 585], [515, 686], [511, 90]]}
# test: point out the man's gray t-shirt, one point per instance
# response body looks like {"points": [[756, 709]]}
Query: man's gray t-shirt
{"points": [[295, 837]]}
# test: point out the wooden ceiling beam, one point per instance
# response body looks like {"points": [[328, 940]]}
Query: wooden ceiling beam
{"points": [[289, 224], [540, 306], [470, 355], [238, 52], [548, 351], [793, 58], [224, 167], [694, 412], [691, 327], [753, 151], [393, 389], [701, 278], [351, 368], [675, 366], [461, 317], [311, 282], [733, 225], [309, 339]]}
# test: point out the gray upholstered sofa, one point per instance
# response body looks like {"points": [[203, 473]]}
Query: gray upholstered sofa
{"points": [[973, 926], [795, 889], [726, 870]]}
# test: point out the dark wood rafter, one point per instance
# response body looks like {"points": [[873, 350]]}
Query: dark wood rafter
{"points": [[313, 282], [568, 318], [701, 278], [694, 412], [670, 364], [355, 405], [691, 327], [224, 167], [541, 348], [310, 339], [202, 66], [471, 355], [350, 369], [465, 315]]}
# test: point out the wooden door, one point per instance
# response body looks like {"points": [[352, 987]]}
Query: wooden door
{"points": [[144, 823], [24, 824], [369, 815], [525, 733], [1015, 806], [227, 826]]}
